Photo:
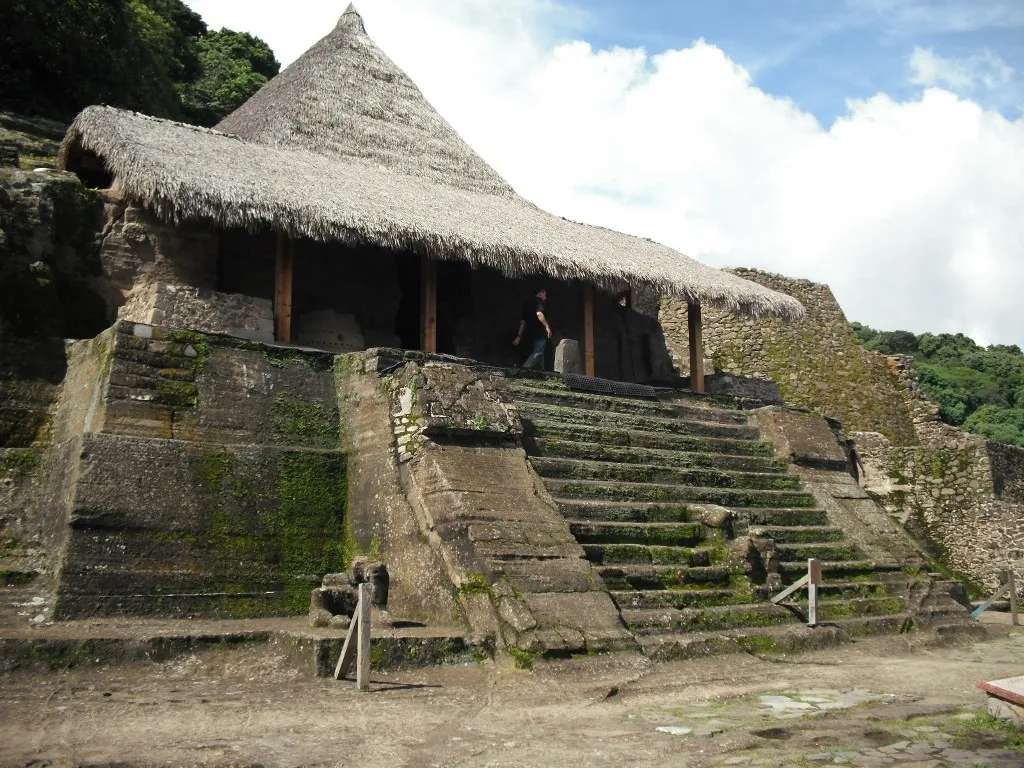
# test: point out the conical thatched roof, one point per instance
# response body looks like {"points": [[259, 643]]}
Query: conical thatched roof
{"points": [[342, 146], [345, 99]]}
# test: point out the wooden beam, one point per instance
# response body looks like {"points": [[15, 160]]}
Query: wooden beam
{"points": [[589, 366], [428, 305], [283, 272], [696, 334]]}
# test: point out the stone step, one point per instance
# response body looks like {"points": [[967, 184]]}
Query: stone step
{"points": [[829, 552], [622, 511], [540, 412], [616, 404], [785, 638], [623, 554], [679, 598], [610, 435], [624, 578], [549, 447], [651, 621], [783, 516], [726, 497], [672, 620], [797, 534], [644, 473], [657, 534], [840, 570]]}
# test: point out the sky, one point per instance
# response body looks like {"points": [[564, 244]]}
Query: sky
{"points": [[873, 145]]}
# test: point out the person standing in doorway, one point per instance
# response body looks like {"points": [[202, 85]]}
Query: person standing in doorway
{"points": [[534, 329]]}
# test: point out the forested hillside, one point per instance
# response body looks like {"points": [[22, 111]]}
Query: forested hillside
{"points": [[154, 56], [978, 389]]}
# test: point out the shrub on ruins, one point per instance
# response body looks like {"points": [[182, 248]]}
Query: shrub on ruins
{"points": [[978, 388]]}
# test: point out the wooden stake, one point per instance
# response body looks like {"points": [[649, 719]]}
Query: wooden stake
{"points": [[588, 329], [428, 305], [813, 580], [348, 650], [696, 333], [283, 289], [363, 662]]}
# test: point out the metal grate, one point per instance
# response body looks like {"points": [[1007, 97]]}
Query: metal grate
{"points": [[607, 386]]}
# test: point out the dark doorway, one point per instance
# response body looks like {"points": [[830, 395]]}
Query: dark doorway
{"points": [[407, 319]]}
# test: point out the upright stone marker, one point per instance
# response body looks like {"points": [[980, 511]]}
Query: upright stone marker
{"points": [[568, 358]]}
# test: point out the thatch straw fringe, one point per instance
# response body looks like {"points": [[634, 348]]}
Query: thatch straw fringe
{"points": [[185, 173]]}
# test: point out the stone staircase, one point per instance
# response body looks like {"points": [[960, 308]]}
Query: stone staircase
{"points": [[684, 513]]}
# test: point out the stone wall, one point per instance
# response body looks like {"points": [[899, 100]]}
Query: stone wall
{"points": [[816, 362], [194, 475], [958, 494], [186, 307], [49, 270]]}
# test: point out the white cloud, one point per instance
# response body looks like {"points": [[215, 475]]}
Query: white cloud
{"points": [[910, 210], [985, 69]]}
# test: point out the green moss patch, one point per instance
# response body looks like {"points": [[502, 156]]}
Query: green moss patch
{"points": [[310, 424]]}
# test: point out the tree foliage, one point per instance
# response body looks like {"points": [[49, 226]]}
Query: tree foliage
{"points": [[233, 65], [154, 56], [980, 389]]}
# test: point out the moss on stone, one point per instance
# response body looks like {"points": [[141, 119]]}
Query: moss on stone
{"points": [[310, 424], [19, 462], [180, 394]]}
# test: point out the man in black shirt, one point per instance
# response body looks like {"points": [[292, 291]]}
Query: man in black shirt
{"points": [[535, 329]]}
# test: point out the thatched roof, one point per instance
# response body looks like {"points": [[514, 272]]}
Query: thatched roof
{"points": [[342, 146]]}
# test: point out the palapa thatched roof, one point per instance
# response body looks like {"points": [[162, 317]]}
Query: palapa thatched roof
{"points": [[342, 146]]}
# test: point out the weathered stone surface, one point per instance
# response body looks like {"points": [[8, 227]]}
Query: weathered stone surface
{"points": [[749, 387], [802, 438], [568, 358]]}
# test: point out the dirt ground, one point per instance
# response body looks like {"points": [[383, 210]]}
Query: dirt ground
{"points": [[883, 701]]}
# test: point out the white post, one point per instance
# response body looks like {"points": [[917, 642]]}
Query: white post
{"points": [[363, 655], [813, 580]]}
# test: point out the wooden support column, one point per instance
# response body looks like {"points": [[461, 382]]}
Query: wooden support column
{"points": [[696, 329], [283, 289], [428, 305], [588, 329]]}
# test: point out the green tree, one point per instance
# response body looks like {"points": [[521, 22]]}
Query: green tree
{"points": [[234, 66]]}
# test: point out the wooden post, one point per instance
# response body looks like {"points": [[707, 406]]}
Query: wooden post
{"points": [[589, 366], [283, 289], [1012, 581], [357, 641], [428, 305], [813, 581], [696, 334], [363, 656]]}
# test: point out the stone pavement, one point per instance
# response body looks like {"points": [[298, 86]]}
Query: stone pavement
{"points": [[968, 737]]}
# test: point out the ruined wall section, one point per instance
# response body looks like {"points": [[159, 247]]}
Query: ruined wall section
{"points": [[201, 476], [956, 493], [816, 362]]}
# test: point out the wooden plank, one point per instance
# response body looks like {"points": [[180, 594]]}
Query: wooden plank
{"points": [[348, 650], [428, 305], [802, 582], [814, 571], [283, 273], [589, 364], [988, 603], [363, 656], [696, 336], [1009, 689]]}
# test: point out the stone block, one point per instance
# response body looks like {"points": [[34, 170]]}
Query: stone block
{"points": [[568, 358]]}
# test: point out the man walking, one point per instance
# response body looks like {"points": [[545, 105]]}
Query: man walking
{"points": [[535, 329]]}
